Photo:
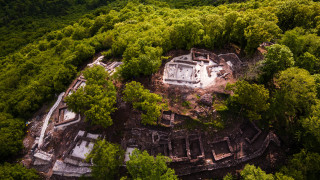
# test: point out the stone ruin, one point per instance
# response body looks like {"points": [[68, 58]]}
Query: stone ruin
{"points": [[178, 145], [221, 149], [72, 163], [197, 154], [200, 68], [109, 66], [167, 119], [64, 117], [73, 159], [244, 144], [190, 151]]}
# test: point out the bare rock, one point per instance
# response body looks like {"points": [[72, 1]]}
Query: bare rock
{"points": [[206, 100]]}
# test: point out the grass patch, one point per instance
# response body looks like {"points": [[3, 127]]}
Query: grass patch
{"points": [[186, 104]]}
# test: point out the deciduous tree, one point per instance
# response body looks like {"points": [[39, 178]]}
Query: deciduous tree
{"points": [[312, 122], [250, 172], [296, 93], [11, 135], [278, 58], [97, 99], [149, 103], [17, 171], [143, 166], [106, 158], [303, 165], [252, 98]]}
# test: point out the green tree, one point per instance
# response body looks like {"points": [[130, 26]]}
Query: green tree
{"points": [[251, 98], [228, 177], [149, 103], [303, 165], [278, 58], [80, 32], [83, 52], [250, 172], [186, 33], [281, 176], [137, 62], [17, 171], [260, 30], [143, 166], [294, 40], [213, 26], [97, 99], [309, 62], [296, 94], [297, 13], [11, 136], [312, 123], [317, 80], [63, 77], [106, 158]]}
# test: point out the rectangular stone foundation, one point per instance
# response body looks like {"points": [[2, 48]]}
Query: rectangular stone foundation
{"points": [[221, 149], [251, 132]]}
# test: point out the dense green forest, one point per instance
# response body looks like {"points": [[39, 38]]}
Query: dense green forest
{"points": [[44, 44]]}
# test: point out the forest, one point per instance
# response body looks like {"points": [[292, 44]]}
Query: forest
{"points": [[45, 44]]}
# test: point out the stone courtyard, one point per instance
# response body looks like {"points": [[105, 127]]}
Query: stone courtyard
{"points": [[200, 68]]}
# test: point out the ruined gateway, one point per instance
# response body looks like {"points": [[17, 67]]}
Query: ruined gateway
{"points": [[191, 151]]}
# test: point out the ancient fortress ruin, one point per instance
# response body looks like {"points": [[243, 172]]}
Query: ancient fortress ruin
{"points": [[191, 151]]}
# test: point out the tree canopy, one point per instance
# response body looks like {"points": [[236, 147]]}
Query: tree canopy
{"points": [[251, 172], [143, 166], [303, 165], [106, 158], [42, 50], [96, 100], [312, 122], [278, 58], [296, 94], [17, 171], [252, 98], [149, 103], [11, 136]]}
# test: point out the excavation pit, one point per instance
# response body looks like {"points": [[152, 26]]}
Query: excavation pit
{"points": [[162, 149], [195, 149], [250, 132], [179, 148], [221, 149]]}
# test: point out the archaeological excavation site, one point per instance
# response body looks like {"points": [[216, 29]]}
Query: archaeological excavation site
{"points": [[201, 142]]}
